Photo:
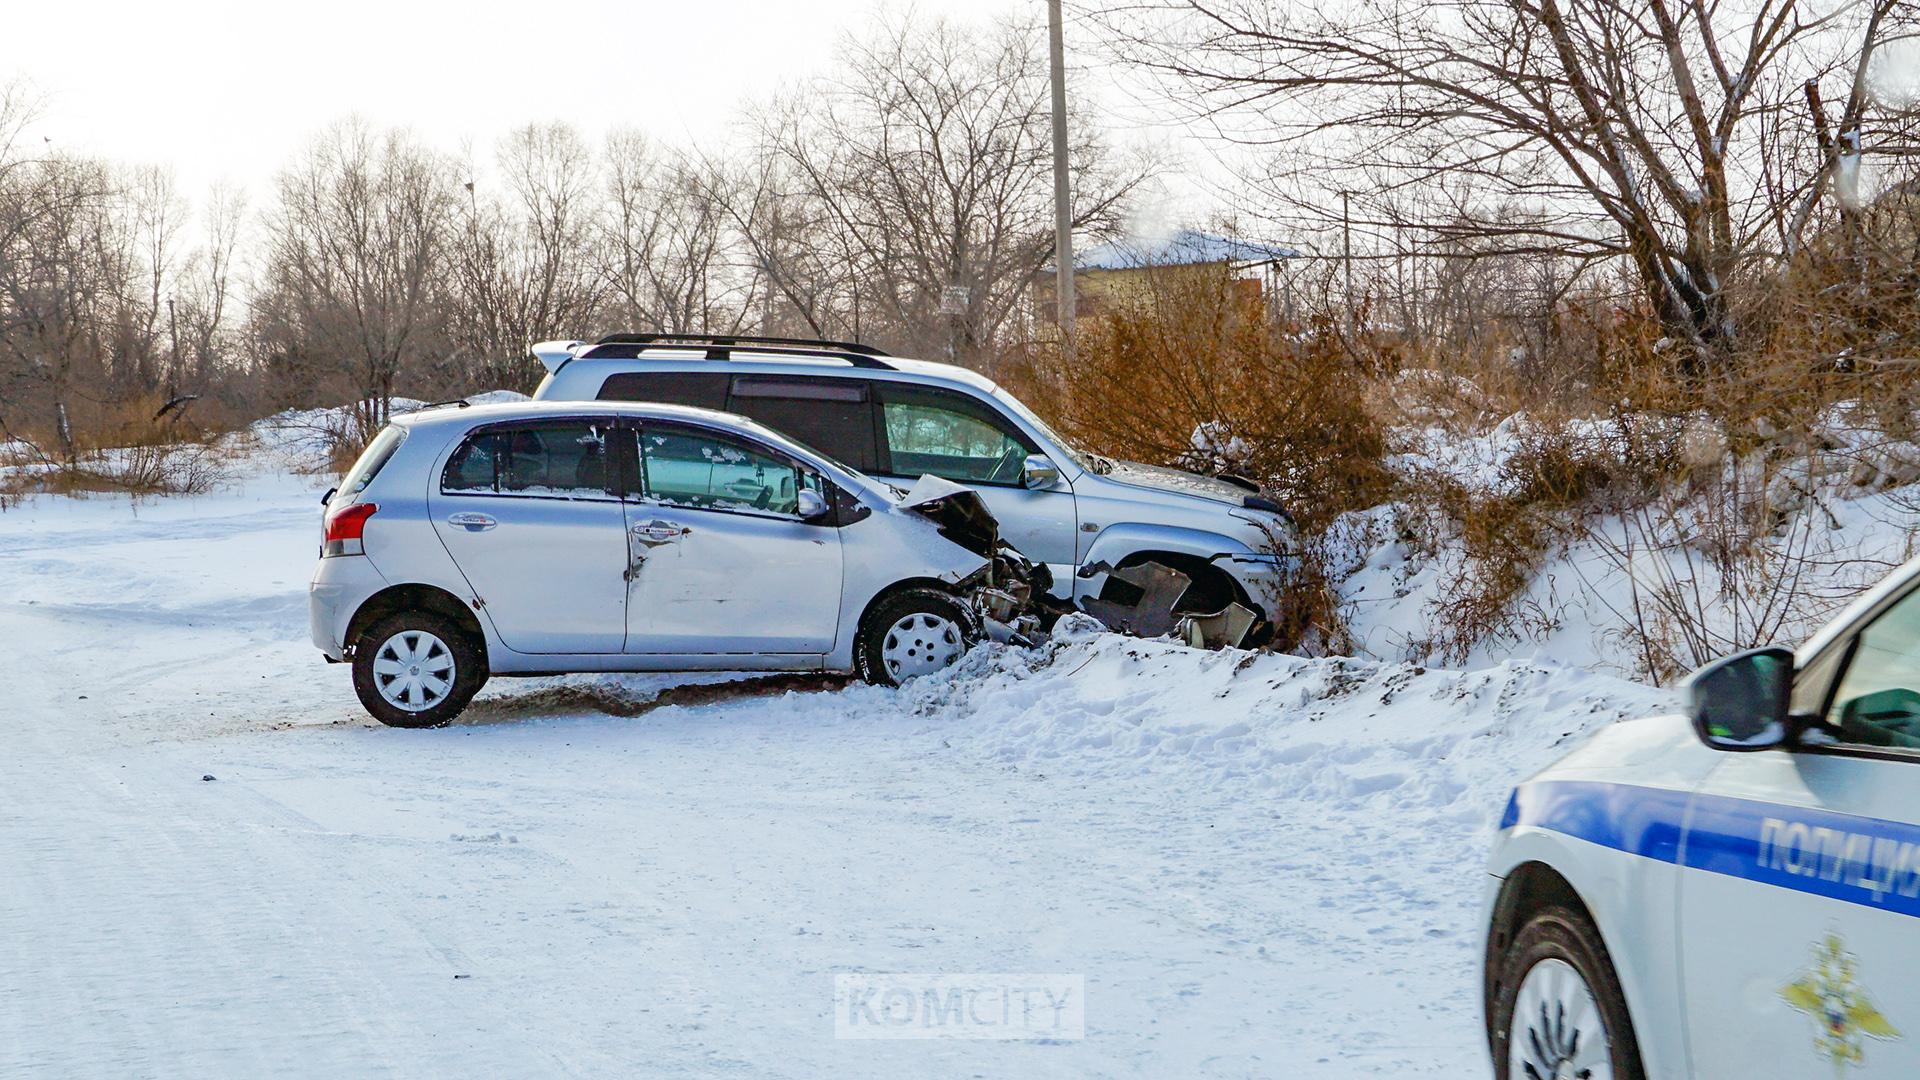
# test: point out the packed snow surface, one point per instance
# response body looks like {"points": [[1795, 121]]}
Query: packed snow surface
{"points": [[216, 865]]}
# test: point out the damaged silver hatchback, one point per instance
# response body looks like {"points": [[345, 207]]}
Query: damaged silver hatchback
{"points": [[546, 537]]}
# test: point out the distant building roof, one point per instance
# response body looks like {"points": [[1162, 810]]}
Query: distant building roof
{"points": [[1187, 247]]}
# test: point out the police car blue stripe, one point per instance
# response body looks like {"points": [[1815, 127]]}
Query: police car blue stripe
{"points": [[1858, 860]]}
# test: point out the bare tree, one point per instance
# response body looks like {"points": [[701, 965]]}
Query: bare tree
{"points": [[62, 282], [357, 237], [1662, 134], [522, 261], [669, 263], [804, 279], [201, 311], [926, 155]]}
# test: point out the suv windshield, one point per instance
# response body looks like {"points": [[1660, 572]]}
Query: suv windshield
{"points": [[1093, 463]]}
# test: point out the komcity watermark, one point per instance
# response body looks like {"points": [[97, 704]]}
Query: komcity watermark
{"points": [[968, 1006]]}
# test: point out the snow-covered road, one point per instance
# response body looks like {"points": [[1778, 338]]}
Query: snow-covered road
{"points": [[1262, 866]]}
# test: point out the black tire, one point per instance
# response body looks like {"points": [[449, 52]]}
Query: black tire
{"points": [[871, 644], [1559, 933], [469, 669]]}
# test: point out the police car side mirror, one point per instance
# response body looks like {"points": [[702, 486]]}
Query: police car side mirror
{"points": [[1739, 702]]}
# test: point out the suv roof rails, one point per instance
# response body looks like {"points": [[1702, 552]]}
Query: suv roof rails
{"points": [[722, 347]]}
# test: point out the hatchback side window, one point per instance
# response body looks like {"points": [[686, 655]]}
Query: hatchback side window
{"points": [[951, 436], [705, 470], [373, 459], [1877, 701], [564, 459]]}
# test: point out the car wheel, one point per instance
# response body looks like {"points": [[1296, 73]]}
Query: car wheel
{"points": [[1559, 1011], [416, 669], [914, 632]]}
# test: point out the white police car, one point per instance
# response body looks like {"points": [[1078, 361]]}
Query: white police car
{"points": [[1734, 893]]}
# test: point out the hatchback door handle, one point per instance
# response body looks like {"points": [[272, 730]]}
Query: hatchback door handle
{"points": [[659, 532], [468, 519]]}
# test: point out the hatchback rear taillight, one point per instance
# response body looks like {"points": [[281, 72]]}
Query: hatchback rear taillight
{"points": [[344, 527]]}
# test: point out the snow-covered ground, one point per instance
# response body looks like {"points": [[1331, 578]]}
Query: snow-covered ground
{"points": [[216, 865]]}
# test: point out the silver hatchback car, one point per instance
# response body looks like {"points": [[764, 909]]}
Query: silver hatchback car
{"points": [[548, 537]]}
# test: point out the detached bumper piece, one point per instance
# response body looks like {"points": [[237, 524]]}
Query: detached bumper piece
{"points": [[1224, 629], [1154, 612]]}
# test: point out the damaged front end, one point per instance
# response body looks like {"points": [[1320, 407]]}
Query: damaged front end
{"points": [[1013, 596]]}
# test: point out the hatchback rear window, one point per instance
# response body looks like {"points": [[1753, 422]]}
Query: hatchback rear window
{"points": [[373, 459]]}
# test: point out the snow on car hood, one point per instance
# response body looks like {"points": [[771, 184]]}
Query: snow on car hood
{"points": [[1185, 483]]}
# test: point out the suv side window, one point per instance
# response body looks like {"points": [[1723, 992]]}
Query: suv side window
{"points": [[950, 435], [1877, 699], [706, 470], [700, 389], [557, 459], [834, 416]]}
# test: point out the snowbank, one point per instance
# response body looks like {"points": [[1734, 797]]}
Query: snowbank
{"points": [[1354, 736], [1843, 507], [303, 439]]}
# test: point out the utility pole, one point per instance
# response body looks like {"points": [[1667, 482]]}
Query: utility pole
{"points": [[1062, 191]]}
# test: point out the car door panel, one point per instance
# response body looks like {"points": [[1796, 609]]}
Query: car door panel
{"points": [[1798, 911], [1798, 915], [543, 546], [740, 574]]}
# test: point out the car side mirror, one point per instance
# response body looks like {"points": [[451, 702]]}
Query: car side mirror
{"points": [[1037, 473], [1740, 702], [812, 506]]}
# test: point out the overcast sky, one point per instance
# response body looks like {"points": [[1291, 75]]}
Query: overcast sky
{"points": [[231, 89]]}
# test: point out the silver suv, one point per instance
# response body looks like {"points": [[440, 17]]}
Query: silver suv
{"points": [[545, 537], [895, 419]]}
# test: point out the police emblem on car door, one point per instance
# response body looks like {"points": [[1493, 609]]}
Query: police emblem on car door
{"points": [[1844, 1016]]}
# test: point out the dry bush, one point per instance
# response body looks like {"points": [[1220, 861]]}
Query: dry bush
{"points": [[1558, 464], [1192, 373]]}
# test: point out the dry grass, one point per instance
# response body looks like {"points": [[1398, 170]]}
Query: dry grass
{"points": [[143, 446]]}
